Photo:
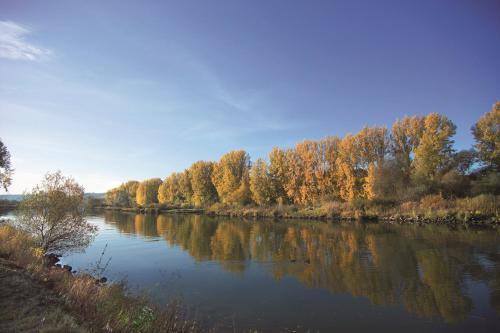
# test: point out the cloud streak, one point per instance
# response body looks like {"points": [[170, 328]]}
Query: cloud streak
{"points": [[13, 44]]}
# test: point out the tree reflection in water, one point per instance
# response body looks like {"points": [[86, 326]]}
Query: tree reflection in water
{"points": [[422, 267]]}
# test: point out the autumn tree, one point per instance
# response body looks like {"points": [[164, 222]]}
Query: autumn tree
{"points": [[386, 181], [230, 177], [204, 192], [169, 191], [294, 175], [147, 191], [185, 187], [130, 188], [372, 144], [123, 195], [328, 175], [487, 134], [304, 172], [117, 197], [242, 195], [261, 183], [404, 139], [278, 173], [53, 212], [434, 148], [5, 167], [347, 168]]}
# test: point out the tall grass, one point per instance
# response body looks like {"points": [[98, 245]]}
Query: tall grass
{"points": [[434, 206]]}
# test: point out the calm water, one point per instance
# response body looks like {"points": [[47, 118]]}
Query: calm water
{"points": [[306, 276]]}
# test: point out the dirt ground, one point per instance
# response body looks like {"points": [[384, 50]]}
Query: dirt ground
{"points": [[27, 305]]}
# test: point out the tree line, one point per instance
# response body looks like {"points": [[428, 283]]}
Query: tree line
{"points": [[414, 158]]}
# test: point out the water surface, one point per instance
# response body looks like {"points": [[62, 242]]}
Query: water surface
{"points": [[305, 276]]}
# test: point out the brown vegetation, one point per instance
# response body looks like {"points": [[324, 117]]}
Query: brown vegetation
{"points": [[96, 306]]}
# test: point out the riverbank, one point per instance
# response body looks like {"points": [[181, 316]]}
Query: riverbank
{"points": [[481, 210], [65, 301], [29, 306]]}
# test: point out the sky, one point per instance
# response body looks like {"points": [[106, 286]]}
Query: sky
{"points": [[108, 91]]}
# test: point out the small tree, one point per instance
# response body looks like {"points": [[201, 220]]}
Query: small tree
{"points": [[5, 168], [53, 213]]}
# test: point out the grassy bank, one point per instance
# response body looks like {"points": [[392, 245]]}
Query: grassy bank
{"points": [[482, 209], [94, 306]]}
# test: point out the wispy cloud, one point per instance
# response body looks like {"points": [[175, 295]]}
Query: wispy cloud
{"points": [[13, 44]]}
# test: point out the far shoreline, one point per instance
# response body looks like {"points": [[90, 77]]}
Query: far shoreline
{"points": [[313, 214]]}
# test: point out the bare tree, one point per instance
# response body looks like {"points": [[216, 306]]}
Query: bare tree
{"points": [[5, 167], [53, 212]]}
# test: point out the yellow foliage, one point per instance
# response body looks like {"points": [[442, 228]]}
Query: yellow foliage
{"points": [[434, 147], [370, 181], [229, 174], [278, 171], [405, 137], [169, 191], [147, 191], [201, 181], [487, 134]]}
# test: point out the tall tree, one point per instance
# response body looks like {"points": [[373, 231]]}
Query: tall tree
{"points": [[278, 172], [169, 191], [261, 183], [435, 147], [131, 188], [405, 137], [147, 192], [328, 175], [487, 134], [294, 176], [229, 174], [372, 144], [204, 192], [5, 167], [185, 187], [347, 168], [309, 171]]}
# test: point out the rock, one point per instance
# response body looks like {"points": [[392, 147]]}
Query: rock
{"points": [[68, 268], [101, 280], [58, 265], [51, 259]]}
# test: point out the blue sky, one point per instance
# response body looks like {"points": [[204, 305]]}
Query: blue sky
{"points": [[108, 91]]}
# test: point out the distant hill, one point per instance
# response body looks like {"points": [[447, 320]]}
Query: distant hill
{"points": [[94, 195], [11, 197], [19, 197]]}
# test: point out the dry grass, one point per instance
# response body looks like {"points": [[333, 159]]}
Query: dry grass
{"points": [[430, 207], [100, 307], [29, 306]]}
